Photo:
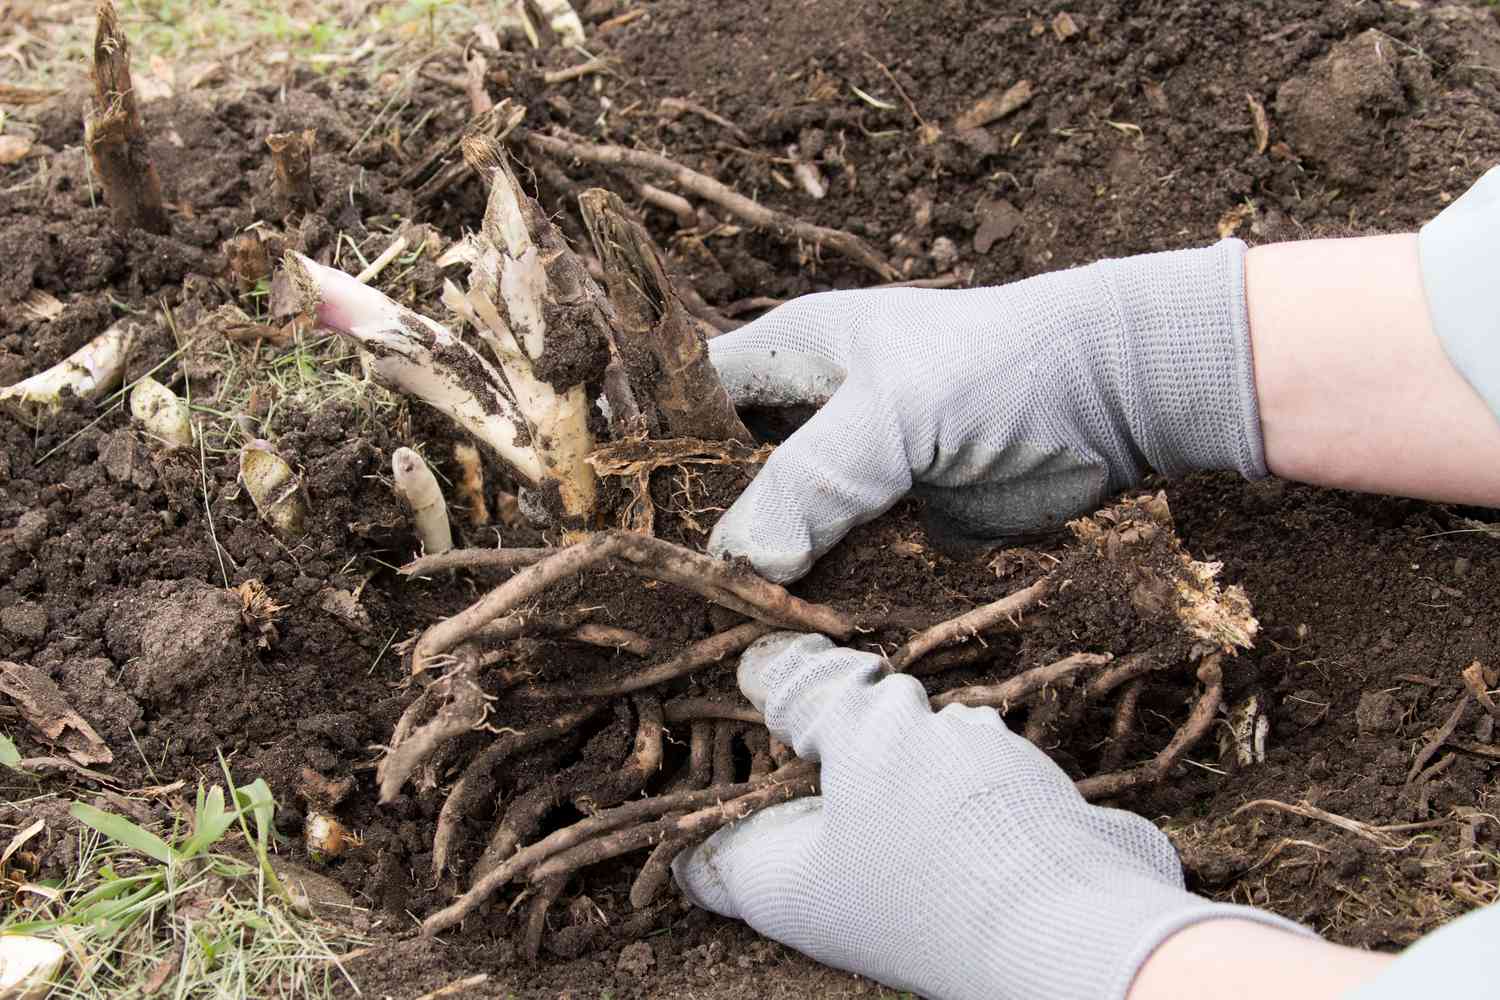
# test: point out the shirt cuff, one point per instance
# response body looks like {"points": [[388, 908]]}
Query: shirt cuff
{"points": [[1460, 254]]}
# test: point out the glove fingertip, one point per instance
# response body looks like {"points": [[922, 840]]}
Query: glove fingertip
{"points": [[731, 538], [699, 880]]}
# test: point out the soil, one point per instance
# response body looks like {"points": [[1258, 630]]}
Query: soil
{"points": [[117, 561]]}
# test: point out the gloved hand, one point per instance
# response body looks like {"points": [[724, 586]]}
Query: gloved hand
{"points": [[1010, 409], [947, 855]]}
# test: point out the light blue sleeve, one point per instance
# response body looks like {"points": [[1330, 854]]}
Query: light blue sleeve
{"points": [[1455, 961], [1460, 251]]}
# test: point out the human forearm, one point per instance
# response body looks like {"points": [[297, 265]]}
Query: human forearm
{"points": [[1354, 386], [1241, 960]]}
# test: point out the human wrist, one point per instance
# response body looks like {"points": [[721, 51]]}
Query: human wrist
{"points": [[1229, 957]]}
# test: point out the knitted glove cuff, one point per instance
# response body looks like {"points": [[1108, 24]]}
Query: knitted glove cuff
{"points": [[1191, 400]]}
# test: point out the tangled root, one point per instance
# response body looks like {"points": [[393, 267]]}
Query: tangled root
{"points": [[732, 765]]}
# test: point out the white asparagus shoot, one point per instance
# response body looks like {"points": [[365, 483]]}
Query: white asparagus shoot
{"points": [[506, 303], [89, 373], [421, 358], [161, 413], [274, 488], [563, 20], [429, 511]]}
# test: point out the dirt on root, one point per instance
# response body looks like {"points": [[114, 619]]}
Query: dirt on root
{"points": [[123, 570]]}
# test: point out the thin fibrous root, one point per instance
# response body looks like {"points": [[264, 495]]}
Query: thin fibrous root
{"points": [[694, 824], [475, 559], [970, 624], [536, 915], [657, 871], [1003, 695], [567, 625], [1199, 721], [641, 810], [695, 709], [724, 583], [725, 730], [589, 793], [779, 224], [703, 653], [463, 708], [1123, 726], [477, 783]]}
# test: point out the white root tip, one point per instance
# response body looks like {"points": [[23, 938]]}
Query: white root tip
{"points": [[28, 965], [563, 20], [416, 483], [161, 414], [419, 357], [274, 488]]}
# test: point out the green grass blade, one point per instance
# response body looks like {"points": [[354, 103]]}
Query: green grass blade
{"points": [[122, 831], [9, 756]]}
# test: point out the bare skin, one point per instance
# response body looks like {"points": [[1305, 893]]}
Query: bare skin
{"points": [[1355, 389], [1239, 960], [1356, 393]]}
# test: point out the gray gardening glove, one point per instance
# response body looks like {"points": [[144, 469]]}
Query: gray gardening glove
{"points": [[1009, 409], [947, 856]]}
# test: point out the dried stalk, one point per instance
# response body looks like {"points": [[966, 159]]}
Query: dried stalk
{"points": [[291, 158], [665, 355]]}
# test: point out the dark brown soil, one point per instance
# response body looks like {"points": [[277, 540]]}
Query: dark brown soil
{"points": [[115, 559]]}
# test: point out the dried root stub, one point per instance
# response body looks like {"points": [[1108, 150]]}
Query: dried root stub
{"points": [[116, 139], [1100, 713]]}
